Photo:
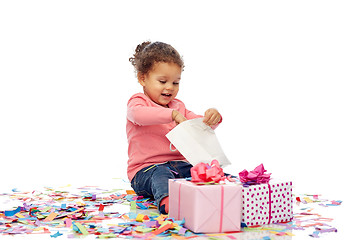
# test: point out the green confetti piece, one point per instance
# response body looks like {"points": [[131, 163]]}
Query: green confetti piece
{"points": [[143, 229], [150, 168], [133, 206], [46, 209], [112, 191], [165, 223], [40, 217], [81, 228], [110, 235], [246, 229], [154, 214]]}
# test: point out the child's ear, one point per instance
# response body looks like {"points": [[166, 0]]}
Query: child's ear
{"points": [[141, 78]]}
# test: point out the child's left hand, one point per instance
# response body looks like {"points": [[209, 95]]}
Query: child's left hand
{"points": [[212, 117]]}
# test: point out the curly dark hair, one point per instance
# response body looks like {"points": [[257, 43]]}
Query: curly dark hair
{"points": [[147, 54]]}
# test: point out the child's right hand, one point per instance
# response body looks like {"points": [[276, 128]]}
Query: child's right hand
{"points": [[178, 117]]}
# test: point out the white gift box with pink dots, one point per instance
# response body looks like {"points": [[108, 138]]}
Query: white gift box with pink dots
{"points": [[267, 203]]}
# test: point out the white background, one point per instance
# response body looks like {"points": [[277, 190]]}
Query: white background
{"points": [[282, 73]]}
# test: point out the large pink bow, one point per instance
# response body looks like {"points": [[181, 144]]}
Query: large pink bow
{"points": [[204, 172], [255, 176]]}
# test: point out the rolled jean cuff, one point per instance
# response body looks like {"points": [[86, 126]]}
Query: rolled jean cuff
{"points": [[158, 200]]}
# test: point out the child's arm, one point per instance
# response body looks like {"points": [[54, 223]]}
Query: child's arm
{"points": [[144, 116], [141, 113]]}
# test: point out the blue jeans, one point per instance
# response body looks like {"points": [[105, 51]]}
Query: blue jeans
{"points": [[153, 182]]}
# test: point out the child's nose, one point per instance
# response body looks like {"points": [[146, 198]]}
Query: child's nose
{"points": [[169, 86]]}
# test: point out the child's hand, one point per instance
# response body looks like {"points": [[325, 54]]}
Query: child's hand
{"points": [[212, 117], [178, 117]]}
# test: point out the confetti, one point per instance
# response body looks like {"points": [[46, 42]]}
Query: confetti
{"points": [[13, 212], [57, 234], [84, 211], [51, 217], [80, 228]]}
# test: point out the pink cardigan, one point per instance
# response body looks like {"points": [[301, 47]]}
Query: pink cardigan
{"points": [[146, 127]]}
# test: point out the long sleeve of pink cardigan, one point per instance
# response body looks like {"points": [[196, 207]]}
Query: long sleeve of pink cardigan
{"points": [[143, 112], [147, 125]]}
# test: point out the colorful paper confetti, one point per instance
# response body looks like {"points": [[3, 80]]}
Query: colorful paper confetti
{"points": [[79, 212]]}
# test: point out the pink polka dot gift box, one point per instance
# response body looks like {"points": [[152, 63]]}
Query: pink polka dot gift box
{"points": [[267, 203]]}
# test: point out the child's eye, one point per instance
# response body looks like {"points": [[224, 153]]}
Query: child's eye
{"points": [[162, 81], [176, 83]]}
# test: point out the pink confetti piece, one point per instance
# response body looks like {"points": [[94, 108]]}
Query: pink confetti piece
{"points": [[182, 231], [68, 222], [231, 237]]}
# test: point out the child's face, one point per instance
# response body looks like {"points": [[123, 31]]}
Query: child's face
{"points": [[161, 84]]}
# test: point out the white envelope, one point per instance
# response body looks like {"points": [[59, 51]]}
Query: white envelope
{"points": [[197, 142]]}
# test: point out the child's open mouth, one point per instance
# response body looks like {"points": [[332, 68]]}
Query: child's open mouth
{"points": [[166, 94]]}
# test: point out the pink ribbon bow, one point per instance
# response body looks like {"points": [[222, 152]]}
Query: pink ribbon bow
{"points": [[204, 172], [258, 175]]}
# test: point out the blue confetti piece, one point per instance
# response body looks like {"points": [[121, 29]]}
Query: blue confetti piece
{"points": [[13, 212], [75, 228], [128, 223], [132, 215], [141, 206], [57, 234]]}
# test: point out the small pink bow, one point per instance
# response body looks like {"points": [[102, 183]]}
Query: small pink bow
{"points": [[255, 176], [204, 172]]}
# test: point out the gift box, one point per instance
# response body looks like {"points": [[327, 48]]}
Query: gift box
{"points": [[206, 208], [267, 203]]}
